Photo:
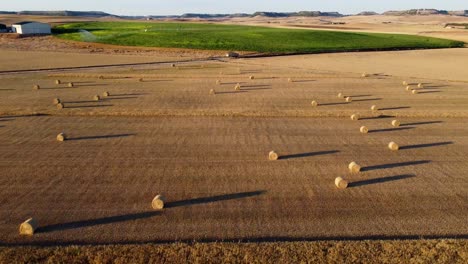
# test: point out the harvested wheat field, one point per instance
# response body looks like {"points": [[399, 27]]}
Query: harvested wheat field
{"points": [[160, 132]]}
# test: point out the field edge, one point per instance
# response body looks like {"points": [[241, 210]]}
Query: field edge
{"points": [[367, 251]]}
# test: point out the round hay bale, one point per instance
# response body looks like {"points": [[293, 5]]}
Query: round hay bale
{"points": [[36, 87], [28, 227], [96, 98], [354, 167], [232, 54], [140, 79], [405, 83], [61, 137], [340, 183], [355, 117], [364, 75], [395, 123], [56, 101], [60, 106], [340, 95], [420, 85], [415, 91], [364, 130], [158, 202], [70, 84], [212, 92], [349, 99], [218, 82], [58, 82], [106, 94], [273, 155], [374, 108], [290, 80], [237, 87], [393, 146], [408, 88], [314, 103], [251, 77]]}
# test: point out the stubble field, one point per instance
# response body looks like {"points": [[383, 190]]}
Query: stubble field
{"points": [[208, 154]]}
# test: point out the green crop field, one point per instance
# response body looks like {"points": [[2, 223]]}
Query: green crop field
{"points": [[241, 38]]}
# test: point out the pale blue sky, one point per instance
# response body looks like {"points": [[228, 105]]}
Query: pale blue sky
{"points": [[177, 7]]}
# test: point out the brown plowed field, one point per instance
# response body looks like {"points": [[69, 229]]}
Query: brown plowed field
{"points": [[207, 154]]}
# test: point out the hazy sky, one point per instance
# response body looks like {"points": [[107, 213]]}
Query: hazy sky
{"points": [[177, 7]]}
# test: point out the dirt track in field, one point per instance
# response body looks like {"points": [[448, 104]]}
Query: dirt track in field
{"points": [[208, 153]]}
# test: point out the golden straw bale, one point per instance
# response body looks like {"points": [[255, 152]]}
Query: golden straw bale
{"points": [[395, 123], [405, 83], [28, 227], [58, 82], [106, 94], [158, 202], [364, 75], [340, 183], [218, 82], [314, 103], [420, 85], [290, 80], [56, 101], [70, 84], [36, 87], [374, 108], [96, 98], [415, 91], [393, 146], [354, 117], [349, 99], [364, 130], [212, 92], [408, 88], [340, 95], [273, 155], [60, 106], [354, 167], [237, 87], [61, 137], [251, 77]]}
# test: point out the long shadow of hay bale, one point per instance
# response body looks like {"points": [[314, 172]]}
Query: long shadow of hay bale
{"points": [[422, 123], [234, 92], [212, 199], [97, 221], [395, 165], [308, 154], [365, 100], [426, 145], [390, 129], [120, 98], [100, 137], [380, 180], [377, 117], [395, 108], [332, 104], [88, 106]]}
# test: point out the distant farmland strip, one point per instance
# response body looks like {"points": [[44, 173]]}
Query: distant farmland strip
{"points": [[242, 38]]}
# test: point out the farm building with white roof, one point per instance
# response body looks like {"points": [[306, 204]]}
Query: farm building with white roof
{"points": [[29, 27]]}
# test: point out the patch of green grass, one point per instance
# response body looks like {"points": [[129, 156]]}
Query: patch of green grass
{"points": [[241, 38]]}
